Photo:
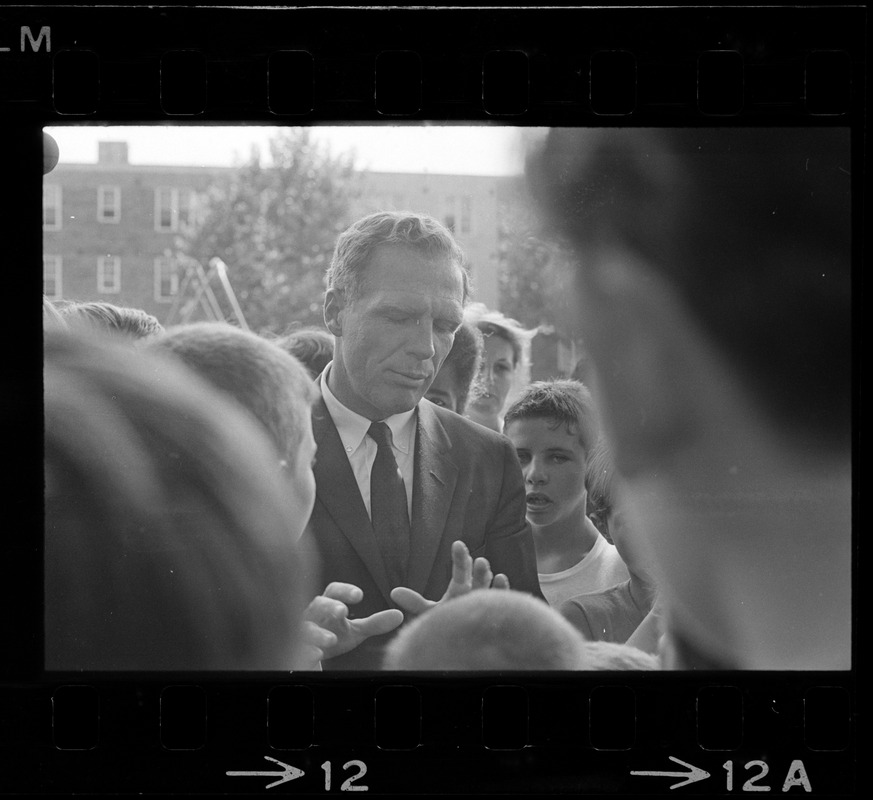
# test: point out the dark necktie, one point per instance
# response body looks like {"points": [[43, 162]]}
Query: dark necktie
{"points": [[388, 507]]}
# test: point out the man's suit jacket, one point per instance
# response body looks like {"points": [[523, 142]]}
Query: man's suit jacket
{"points": [[467, 485]]}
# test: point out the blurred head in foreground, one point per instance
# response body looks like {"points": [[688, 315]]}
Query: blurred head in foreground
{"points": [[267, 383], [491, 629], [51, 317], [167, 521], [714, 296]]}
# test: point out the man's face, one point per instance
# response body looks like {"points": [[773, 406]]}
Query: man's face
{"points": [[396, 334], [553, 463]]}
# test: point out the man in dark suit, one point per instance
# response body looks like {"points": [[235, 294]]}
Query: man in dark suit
{"points": [[396, 292]]}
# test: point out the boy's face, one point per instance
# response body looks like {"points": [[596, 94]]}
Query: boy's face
{"points": [[553, 463]]}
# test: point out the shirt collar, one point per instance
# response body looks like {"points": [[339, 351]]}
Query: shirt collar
{"points": [[352, 427]]}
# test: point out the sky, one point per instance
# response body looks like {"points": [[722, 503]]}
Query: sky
{"points": [[462, 150]]}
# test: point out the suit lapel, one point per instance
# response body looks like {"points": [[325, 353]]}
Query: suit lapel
{"points": [[338, 491], [432, 491]]}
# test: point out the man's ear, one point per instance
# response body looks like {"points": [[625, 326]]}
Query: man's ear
{"points": [[334, 304], [650, 357]]}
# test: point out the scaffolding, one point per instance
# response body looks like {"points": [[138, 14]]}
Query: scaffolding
{"points": [[196, 292]]}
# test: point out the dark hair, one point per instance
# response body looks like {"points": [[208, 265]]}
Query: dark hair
{"points": [[313, 347], [599, 480], [463, 361], [417, 231], [265, 380], [752, 228], [563, 401], [132, 322], [166, 520]]}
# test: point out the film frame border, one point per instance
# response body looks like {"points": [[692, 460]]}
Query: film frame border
{"points": [[818, 708]]}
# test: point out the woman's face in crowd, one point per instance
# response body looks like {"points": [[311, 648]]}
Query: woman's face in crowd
{"points": [[495, 375]]}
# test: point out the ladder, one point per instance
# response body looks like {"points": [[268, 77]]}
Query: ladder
{"points": [[195, 292]]}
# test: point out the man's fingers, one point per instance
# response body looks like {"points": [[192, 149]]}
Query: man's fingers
{"points": [[344, 592], [462, 564], [410, 601], [326, 611], [500, 581], [316, 636], [482, 574], [380, 622]]}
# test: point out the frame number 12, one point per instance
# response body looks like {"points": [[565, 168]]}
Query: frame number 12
{"points": [[348, 785]]}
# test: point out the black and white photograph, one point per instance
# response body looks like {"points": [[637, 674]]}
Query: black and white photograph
{"points": [[447, 398]]}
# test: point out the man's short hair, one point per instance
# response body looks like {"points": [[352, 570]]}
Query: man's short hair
{"points": [[312, 347], [422, 233], [266, 381], [463, 361], [132, 322], [562, 401], [51, 317], [751, 227], [488, 629]]}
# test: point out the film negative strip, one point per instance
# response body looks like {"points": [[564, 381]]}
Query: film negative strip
{"points": [[696, 730]]}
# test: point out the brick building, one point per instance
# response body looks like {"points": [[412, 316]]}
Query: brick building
{"points": [[109, 227]]}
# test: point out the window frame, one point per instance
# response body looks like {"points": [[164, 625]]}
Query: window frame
{"points": [[58, 207], [102, 206], [104, 287], [174, 279], [177, 221], [58, 275]]}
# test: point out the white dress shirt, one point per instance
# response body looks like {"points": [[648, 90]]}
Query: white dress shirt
{"points": [[361, 449]]}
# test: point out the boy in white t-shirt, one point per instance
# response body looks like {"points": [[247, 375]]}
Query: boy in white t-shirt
{"points": [[554, 427]]}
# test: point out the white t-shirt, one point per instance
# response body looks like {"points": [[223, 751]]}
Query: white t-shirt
{"points": [[600, 569]]}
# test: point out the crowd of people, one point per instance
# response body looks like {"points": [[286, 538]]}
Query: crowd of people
{"points": [[393, 492]]}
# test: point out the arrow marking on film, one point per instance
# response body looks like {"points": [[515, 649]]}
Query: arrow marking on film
{"points": [[696, 773], [288, 773]]}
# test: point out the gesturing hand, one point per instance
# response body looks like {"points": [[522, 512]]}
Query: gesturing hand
{"points": [[467, 575], [328, 629]]}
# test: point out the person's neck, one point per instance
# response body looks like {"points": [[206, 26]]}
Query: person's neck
{"points": [[341, 388], [642, 592], [564, 543]]}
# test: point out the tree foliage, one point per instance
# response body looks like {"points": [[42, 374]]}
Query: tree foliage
{"points": [[275, 227], [535, 273]]}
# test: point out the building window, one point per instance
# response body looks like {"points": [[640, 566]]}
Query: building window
{"points": [[51, 277], [186, 209], [108, 204], [449, 218], [109, 274], [174, 209], [51, 207], [166, 279], [466, 213]]}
